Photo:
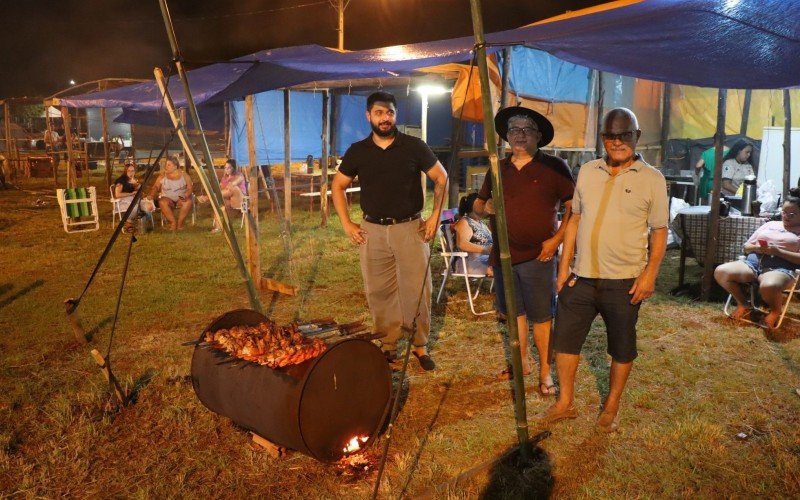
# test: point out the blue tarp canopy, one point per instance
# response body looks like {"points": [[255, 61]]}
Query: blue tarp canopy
{"points": [[707, 43]]}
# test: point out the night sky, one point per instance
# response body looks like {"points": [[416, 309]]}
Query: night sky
{"points": [[45, 43]]}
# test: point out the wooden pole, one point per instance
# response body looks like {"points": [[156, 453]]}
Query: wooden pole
{"points": [[287, 161], [334, 126], [71, 173], [214, 196], [745, 111], [227, 132], [665, 114], [49, 142], [106, 155], [598, 128], [454, 165], [340, 11], [787, 142], [251, 224], [502, 232], [323, 163], [9, 141], [713, 223], [501, 144]]}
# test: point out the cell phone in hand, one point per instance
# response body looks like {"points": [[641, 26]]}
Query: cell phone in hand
{"points": [[763, 243]]}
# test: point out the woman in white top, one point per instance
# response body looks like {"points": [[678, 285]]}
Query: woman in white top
{"points": [[175, 188], [736, 166]]}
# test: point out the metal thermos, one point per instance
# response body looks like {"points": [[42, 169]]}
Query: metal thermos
{"points": [[748, 194]]}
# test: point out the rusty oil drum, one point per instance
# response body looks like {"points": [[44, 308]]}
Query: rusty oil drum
{"points": [[315, 407]]}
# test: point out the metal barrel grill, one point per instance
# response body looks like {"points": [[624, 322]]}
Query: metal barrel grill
{"points": [[316, 407]]}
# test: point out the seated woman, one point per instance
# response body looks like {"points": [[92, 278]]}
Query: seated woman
{"points": [[473, 237], [773, 254], [175, 189], [736, 166], [125, 188], [233, 186]]}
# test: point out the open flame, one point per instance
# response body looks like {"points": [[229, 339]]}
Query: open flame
{"points": [[355, 444]]}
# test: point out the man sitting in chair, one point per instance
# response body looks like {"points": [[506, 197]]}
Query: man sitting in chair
{"points": [[773, 254]]}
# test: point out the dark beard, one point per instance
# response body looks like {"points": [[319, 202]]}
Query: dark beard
{"points": [[380, 133]]}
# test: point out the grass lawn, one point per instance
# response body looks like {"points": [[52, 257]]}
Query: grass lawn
{"points": [[699, 381]]}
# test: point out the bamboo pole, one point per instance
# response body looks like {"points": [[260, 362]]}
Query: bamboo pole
{"points": [[210, 182], [287, 161], [787, 142], [251, 223], [213, 197], [713, 223], [502, 232], [323, 163], [665, 115], [71, 172]]}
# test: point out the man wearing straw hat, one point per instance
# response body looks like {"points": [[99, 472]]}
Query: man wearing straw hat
{"points": [[618, 230], [393, 237], [535, 185]]}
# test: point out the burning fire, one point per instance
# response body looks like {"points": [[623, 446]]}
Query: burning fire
{"points": [[355, 444]]}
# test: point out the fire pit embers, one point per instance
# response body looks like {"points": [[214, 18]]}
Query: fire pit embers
{"points": [[267, 344]]}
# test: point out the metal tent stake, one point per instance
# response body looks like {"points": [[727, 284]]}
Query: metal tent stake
{"points": [[502, 234]]}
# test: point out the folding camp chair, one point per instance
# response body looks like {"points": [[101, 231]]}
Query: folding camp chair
{"points": [[78, 209], [754, 299], [456, 266]]}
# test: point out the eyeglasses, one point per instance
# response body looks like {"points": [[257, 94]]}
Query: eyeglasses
{"points": [[624, 136], [522, 130]]}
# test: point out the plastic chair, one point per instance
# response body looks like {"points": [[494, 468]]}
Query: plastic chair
{"points": [[789, 292], [456, 266], [116, 212], [78, 209], [245, 207], [194, 210]]}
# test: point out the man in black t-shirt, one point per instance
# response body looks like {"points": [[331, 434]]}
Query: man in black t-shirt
{"points": [[393, 237]]}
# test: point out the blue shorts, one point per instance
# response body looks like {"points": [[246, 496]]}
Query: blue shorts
{"points": [[534, 286], [761, 264]]}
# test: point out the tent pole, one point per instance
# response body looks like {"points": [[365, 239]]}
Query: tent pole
{"points": [[71, 172], [216, 206], [454, 165], [501, 144], [48, 142], [106, 155], [713, 223], [745, 111], [598, 127], [323, 163], [251, 218], [787, 142], [665, 112], [7, 127], [502, 232], [287, 160]]}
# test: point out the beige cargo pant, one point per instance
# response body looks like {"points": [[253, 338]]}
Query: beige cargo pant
{"points": [[394, 265]]}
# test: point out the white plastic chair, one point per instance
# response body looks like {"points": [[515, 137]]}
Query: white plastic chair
{"points": [[245, 207], [456, 266], [789, 292], [116, 212], [194, 210]]}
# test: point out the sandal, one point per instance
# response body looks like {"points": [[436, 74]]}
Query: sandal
{"points": [[506, 373], [546, 390]]}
